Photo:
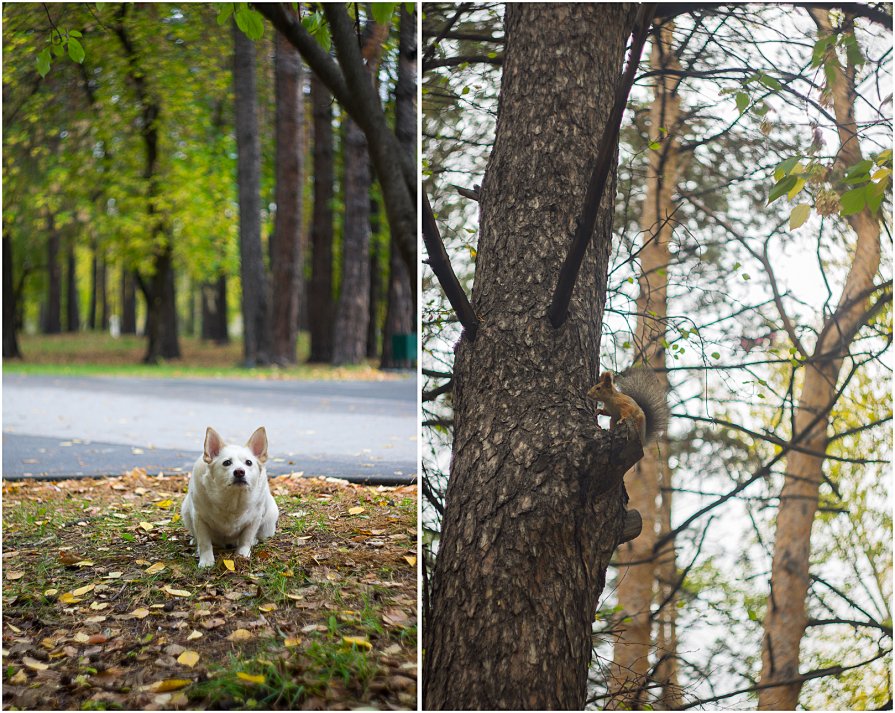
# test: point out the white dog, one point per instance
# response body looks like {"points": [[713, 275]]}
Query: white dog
{"points": [[228, 503]]}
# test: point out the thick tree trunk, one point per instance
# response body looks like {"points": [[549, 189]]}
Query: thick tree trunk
{"points": [[531, 519], [353, 309], [10, 301], [400, 316], [375, 284], [128, 303], [320, 294], [52, 322], [786, 616], [72, 311], [637, 564], [161, 309], [287, 260], [255, 307]]}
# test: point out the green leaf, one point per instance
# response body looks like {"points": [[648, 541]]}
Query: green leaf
{"points": [[716, 355], [224, 13], [782, 187], [249, 22], [860, 169], [742, 100], [785, 167], [853, 201], [875, 193], [830, 67], [382, 11], [770, 82], [852, 50], [43, 62], [58, 50], [655, 145], [820, 49], [75, 50], [74, 33], [799, 215], [410, 7], [794, 191]]}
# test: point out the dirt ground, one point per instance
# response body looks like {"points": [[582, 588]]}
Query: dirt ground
{"points": [[104, 607]]}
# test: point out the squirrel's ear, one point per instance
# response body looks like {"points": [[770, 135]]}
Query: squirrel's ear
{"points": [[606, 378]]}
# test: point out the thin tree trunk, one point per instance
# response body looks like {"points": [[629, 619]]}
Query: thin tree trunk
{"points": [[786, 617], [255, 308], [637, 566], [375, 284], [353, 309], [10, 301], [287, 258], [102, 280], [94, 286], [320, 294], [530, 521], [52, 323], [400, 317], [72, 312], [128, 303]]}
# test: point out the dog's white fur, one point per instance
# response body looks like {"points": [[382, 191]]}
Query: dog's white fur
{"points": [[225, 507]]}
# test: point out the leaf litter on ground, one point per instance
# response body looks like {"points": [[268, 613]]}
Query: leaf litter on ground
{"points": [[323, 615]]}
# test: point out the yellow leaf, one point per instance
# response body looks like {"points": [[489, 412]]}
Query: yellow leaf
{"points": [[164, 503], [288, 573], [194, 635], [99, 606], [880, 174], [51, 592], [34, 664], [358, 641], [11, 575], [170, 684], [146, 526], [268, 607], [69, 598], [229, 565], [153, 569], [83, 590], [794, 191], [292, 641], [81, 637], [355, 510], [140, 613], [176, 592], [241, 635], [188, 658], [411, 560], [249, 678], [799, 215], [296, 597], [83, 563]]}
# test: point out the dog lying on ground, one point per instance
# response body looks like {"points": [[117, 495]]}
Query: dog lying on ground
{"points": [[228, 503]]}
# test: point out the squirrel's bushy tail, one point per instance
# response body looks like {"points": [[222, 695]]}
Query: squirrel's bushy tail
{"points": [[641, 384]]}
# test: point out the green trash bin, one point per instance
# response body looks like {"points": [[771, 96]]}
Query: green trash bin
{"points": [[404, 349]]}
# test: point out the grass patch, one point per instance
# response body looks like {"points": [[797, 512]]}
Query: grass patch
{"points": [[104, 607], [95, 354]]}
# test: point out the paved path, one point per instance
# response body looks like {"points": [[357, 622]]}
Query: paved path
{"points": [[70, 426]]}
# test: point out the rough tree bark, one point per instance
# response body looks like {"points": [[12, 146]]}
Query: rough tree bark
{"points": [[638, 565], [128, 303], [214, 311], [786, 616], [255, 307], [375, 285], [534, 506], [10, 325], [400, 316], [320, 294], [287, 260], [353, 308]]}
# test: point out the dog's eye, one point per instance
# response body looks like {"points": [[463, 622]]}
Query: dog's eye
{"points": [[248, 462], [228, 462]]}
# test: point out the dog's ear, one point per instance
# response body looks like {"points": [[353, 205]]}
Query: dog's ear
{"points": [[213, 445], [258, 444]]}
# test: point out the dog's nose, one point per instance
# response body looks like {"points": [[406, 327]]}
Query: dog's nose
{"points": [[239, 473]]}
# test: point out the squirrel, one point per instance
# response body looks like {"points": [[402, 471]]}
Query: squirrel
{"points": [[641, 398]]}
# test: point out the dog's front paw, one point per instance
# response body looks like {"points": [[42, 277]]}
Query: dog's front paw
{"points": [[205, 562], [244, 552]]}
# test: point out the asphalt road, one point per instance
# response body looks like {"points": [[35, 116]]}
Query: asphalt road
{"points": [[80, 426]]}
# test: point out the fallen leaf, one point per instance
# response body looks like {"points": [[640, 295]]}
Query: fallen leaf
{"points": [[95, 619], [268, 607], [355, 510], [358, 641], [83, 563], [20, 679], [411, 560], [155, 568], [194, 635], [14, 574], [395, 616], [69, 598], [83, 590], [97, 639], [140, 613], [188, 658], [113, 575], [34, 664], [229, 565], [249, 678], [170, 684], [51, 592], [241, 635], [296, 597], [99, 606], [291, 641], [176, 592], [146, 526], [164, 503], [81, 637]]}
